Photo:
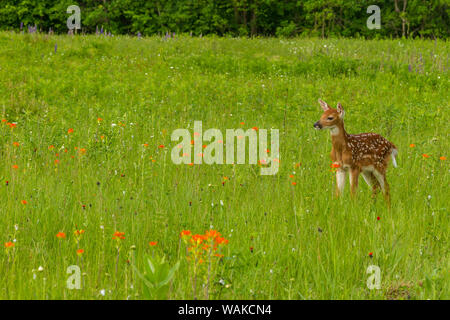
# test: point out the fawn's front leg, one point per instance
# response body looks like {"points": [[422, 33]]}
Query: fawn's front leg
{"points": [[354, 176], [340, 181]]}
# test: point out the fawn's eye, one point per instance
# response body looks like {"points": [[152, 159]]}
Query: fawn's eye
{"points": [[330, 118]]}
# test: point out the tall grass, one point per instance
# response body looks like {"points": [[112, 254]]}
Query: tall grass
{"points": [[124, 96]]}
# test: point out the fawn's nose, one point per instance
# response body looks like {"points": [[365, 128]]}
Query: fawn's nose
{"points": [[317, 125]]}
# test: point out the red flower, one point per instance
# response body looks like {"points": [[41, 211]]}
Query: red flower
{"points": [[371, 254], [378, 218], [161, 146], [70, 131], [153, 243]]}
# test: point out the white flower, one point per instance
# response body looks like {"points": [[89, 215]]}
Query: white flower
{"points": [[221, 202], [41, 268], [102, 292], [222, 282]]}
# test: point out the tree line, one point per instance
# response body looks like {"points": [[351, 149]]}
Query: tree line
{"points": [[284, 18]]}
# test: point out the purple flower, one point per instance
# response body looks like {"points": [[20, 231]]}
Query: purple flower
{"points": [[21, 25], [139, 34], [409, 68], [56, 47]]}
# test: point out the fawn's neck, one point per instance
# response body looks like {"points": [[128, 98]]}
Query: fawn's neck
{"points": [[339, 137]]}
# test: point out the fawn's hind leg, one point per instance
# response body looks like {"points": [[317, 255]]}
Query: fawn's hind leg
{"points": [[371, 181], [381, 177], [387, 192]]}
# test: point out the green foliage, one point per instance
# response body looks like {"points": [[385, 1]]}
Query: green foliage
{"points": [[325, 18], [156, 277]]}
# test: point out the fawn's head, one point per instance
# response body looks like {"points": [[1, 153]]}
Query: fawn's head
{"points": [[331, 118]]}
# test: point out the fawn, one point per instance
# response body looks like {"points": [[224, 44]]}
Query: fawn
{"points": [[366, 153]]}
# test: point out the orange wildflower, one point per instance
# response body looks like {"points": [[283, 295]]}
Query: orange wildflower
{"points": [[425, 155], [24, 201], [16, 144], [15, 166], [80, 252], [9, 244], [78, 232], [61, 235], [153, 243], [212, 234], [412, 145], [442, 158], [335, 165], [119, 235], [70, 131], [185, 233], [161, 146]]}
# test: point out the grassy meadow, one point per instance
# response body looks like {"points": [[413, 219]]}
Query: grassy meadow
{"points": [[85, 143]]}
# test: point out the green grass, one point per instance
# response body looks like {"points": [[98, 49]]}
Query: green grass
{"points": [[150, 87]]}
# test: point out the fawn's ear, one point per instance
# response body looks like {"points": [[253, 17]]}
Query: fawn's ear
{"points": [[324, 105], [340, 110]]}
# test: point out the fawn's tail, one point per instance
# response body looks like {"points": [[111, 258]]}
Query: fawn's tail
{"points": [[394, 153]]}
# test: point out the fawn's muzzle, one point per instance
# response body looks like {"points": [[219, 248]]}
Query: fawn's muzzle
{"points": [[317, 125]]}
